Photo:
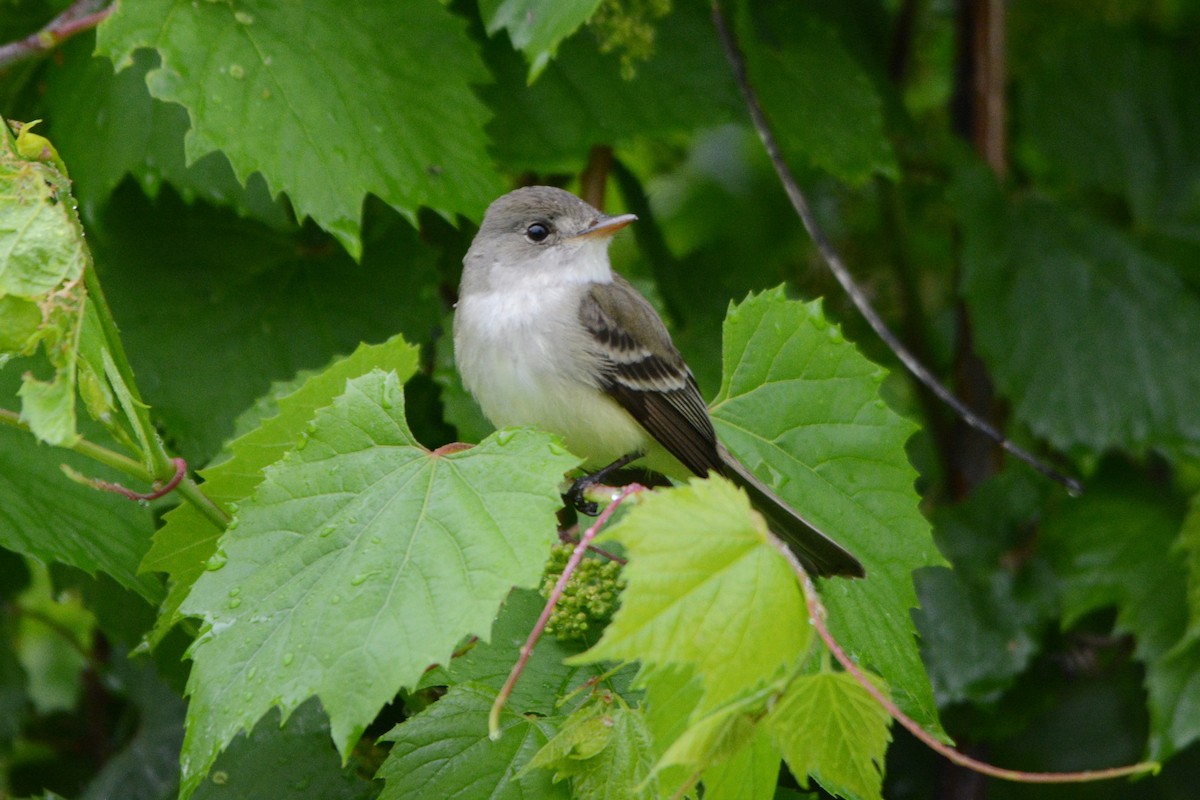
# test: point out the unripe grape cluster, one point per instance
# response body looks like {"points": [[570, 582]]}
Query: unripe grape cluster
{"points": [[588, 599]]}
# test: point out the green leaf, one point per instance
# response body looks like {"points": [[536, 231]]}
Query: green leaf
{"points": [[1189, 546], [41, 246], [1121, 373], [581, 99], [750, 774], [244, 306], [183, 545], [545, 678], [983, 622], [361, 559], [536, 26], [1114, 109], [829, 727], [604, 748], [1113, 547], [823, 106], [49, 518], [445, 752], [289, 760], [801, 407], [42, 259], [147, 767], [703, 583], [253, 89], [716, 736], [107, 126]]}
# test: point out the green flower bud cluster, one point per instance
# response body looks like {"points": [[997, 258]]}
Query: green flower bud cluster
{"points": [[588, 599], [627, 28]]}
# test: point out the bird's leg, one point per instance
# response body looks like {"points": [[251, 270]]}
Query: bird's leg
{"points": [[575, 495]]}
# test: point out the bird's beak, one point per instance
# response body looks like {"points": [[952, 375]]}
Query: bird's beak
{"points": [[606, 226]]}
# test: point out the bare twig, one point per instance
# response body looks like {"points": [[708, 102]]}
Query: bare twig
{"points": [[831, 257], [80, 16], [817, 615], [535, 634]]}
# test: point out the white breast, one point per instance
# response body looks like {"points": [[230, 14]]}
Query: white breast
{"points": [[514, 351]]}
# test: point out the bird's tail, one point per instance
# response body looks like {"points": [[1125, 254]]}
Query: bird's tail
{"points": [[819, 554]]}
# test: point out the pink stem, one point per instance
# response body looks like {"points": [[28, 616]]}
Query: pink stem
{"points": [[817, 614], [540, 625], [159, 490]]}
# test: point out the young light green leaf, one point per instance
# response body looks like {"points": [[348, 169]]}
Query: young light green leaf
{"points": [[445, 752], [605, 749], [253, 90], [750, 774], [361, 559], [184, 544], [536, 26], [716, 736], [801, 407], [829, 727], [704, 588]]}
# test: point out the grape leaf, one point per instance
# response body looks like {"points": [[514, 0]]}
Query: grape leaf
{"points": [[288, 760], [800, 406], [183, 545], [829, 727], [704, 583], [983, 622], [107, 126], [280, 88], [604, 748], [51, 519], [42, 259], [246, 306], [1114, 547], [536, 26], [550, 125], [1121, 373], [147, 767], [545, 680], [823, 106], [716, 736], [1189, 546], [750, 774], [1114, 109], [445, 752], [361, 559]]}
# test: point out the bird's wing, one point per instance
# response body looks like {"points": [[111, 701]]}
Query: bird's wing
{"points": [[645, 373]]}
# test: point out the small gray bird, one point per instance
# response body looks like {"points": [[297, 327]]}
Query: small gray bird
{"points": [[547, 335]]}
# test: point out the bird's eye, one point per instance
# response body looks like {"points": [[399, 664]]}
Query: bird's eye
{"points": [[537, 232]]}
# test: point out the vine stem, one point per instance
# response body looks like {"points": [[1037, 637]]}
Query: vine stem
{"points": [[527, 649], [829, 254], [80, 16], [817, 616]]}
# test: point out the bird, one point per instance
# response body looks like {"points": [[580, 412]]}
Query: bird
{"points": [[548, 335]]}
